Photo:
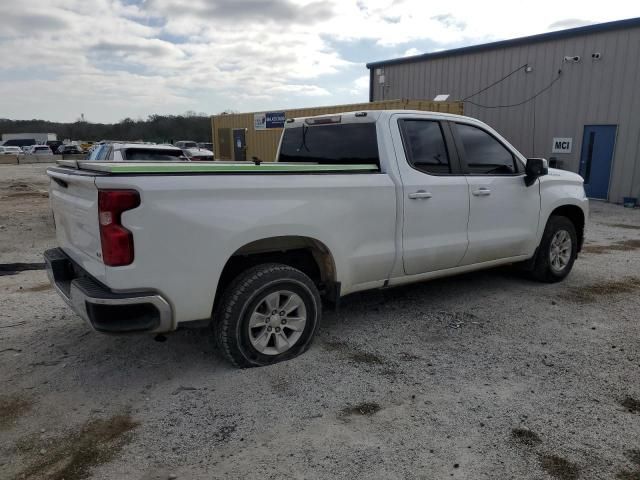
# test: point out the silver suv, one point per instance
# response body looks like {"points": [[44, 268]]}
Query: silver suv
{"points": [[137, 152]]}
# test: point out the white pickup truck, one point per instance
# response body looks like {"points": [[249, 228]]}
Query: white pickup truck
{"points": [[356, 201]]}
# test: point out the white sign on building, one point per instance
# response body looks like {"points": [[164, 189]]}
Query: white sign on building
{"points": [[259, 121], [561, 145]]}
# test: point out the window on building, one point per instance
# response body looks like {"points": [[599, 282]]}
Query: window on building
{"points": [[484, 154], [424, 146]]}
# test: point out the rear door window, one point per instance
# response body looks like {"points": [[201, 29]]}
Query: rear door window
{"points": [[484, 154], [424, 146], [348, 143]]}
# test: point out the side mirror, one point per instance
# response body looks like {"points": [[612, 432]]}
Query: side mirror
{"points": [[536, 167]]}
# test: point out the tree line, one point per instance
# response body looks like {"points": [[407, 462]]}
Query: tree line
{"points": [[156, 128]]}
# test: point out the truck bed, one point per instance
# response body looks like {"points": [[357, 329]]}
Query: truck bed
{"points": [[252, 168], [193, 217]]}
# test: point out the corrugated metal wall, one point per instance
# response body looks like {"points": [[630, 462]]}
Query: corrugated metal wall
{"points": [[591, 92], [264, 143]]}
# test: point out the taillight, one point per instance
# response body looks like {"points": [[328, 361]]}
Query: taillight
{"points": [[117, 241]]}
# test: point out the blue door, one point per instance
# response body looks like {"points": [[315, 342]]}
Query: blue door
{"points": [[598, 142]]}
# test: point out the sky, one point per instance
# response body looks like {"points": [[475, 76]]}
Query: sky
{"points": [[112, 59]]}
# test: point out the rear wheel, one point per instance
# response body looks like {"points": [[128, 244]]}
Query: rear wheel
{"points": [[268, 314], [557, 251]]}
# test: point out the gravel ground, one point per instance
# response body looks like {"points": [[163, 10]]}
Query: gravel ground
{"points": [[486, 375]]}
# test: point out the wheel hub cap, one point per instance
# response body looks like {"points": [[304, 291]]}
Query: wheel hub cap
{"points": [[277, 322], [560, 250]]}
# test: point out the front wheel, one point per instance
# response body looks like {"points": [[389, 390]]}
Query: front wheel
{"points": [[268, 314], [557, 251]]}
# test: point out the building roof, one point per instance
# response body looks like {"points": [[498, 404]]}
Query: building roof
{"points": [[542, 37]]}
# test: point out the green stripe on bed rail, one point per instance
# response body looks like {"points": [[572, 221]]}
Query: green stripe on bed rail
{"points": [[219, 167]]}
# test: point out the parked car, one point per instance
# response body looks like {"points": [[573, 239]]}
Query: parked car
{"points": [[198, 154], [356, 201], [135, 152], [10, 150], [185, 144], [19, 142], [54, 145], [206, 146], [69, 149], [39, 150]]}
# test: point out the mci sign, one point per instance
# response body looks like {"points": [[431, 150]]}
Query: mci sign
{"points": [[561, 145]]}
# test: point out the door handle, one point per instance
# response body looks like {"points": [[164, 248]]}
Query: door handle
{"points": [[420, 194], [481, 192]]}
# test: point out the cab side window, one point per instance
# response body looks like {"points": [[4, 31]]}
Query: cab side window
{"points": [[424, 146], [484, 155]]}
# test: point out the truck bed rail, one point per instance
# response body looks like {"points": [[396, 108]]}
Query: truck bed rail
{"points": [[145, 168]]}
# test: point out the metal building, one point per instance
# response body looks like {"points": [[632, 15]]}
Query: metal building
{"points": [[242, 136], [572, 96]]}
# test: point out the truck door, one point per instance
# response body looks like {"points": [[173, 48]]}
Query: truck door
{"points": [[435, 195], [503, 211]]}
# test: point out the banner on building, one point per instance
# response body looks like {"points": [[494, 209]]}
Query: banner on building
{"points": [[263, 121]]}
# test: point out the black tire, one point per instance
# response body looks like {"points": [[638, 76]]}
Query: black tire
{"points": [[244, 295], [542, 270]]}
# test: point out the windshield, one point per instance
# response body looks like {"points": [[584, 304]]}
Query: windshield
{"points": [[142, 154], [331, 144]]}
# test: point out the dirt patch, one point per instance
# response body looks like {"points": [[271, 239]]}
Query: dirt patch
{"points": [[525, 436], [38, 288], [456, 320], [365, 409], [280, 385], [592, 293], [628, 475], [623, 225], [596, 249], [408, 357], [354, 353], [24, 190], [72, 456], [224, 433], [622, 246], [28, 194], [12, 407], [559, 467], [631, 404], [633, 455], [13, 268]]}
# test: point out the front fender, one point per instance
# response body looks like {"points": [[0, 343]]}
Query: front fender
{"points": [[560, 189]]}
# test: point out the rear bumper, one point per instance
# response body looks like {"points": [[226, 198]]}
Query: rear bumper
{"points": [[105, 310]]}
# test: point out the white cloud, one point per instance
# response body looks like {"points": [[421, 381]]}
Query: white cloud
{"points": [[411, 52], [117, 58], [360, 86]]}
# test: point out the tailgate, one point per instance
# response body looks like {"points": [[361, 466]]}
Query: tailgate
{"points": [[74, 201]]}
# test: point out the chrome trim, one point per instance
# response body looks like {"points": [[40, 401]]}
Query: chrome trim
{"points": [[77, 300]]}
